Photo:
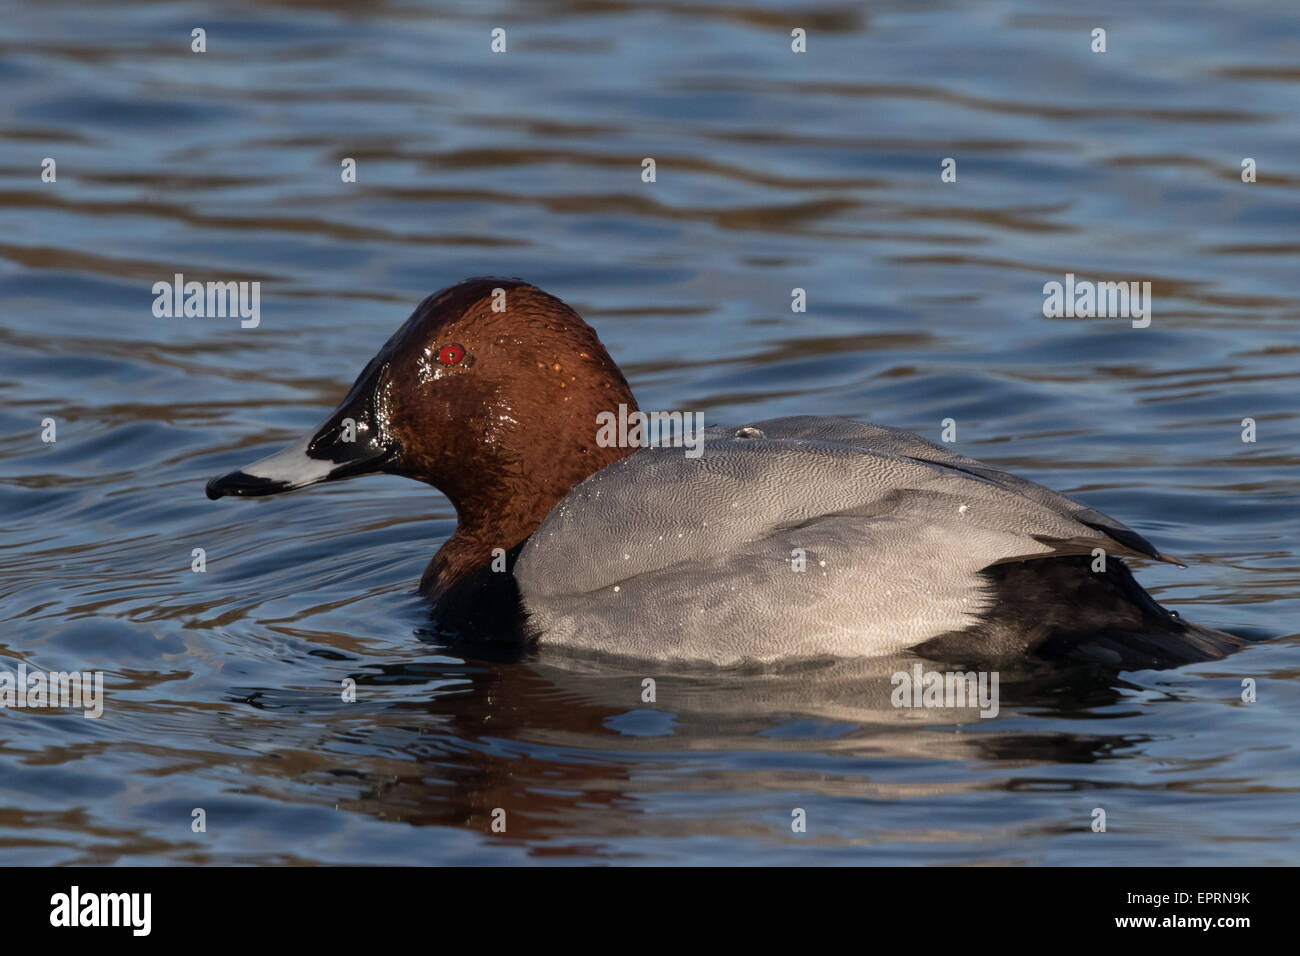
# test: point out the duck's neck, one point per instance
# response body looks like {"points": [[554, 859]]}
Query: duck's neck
{"points": [[464, 555], [497, 516]]}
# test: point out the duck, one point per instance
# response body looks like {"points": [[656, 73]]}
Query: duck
{"points": [[775, 540]]}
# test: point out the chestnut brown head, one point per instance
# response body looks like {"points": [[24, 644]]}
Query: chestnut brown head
{"points": [[490, 392]]}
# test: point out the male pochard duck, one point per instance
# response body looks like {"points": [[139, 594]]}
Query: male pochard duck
{"points": [[789, 538]]}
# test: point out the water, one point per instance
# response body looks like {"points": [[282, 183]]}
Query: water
{"points": [[775, 171]]}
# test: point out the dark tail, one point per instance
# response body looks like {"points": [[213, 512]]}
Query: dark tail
{"points": [[1060, 609]]}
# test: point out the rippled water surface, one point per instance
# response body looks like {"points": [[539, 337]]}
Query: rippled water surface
{"points": [[775, 170]]}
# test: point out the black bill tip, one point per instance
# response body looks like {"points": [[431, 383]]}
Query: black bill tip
{"points": [[245, 485]]}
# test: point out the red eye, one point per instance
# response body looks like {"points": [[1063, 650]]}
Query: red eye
{"points": [[450, 354]]}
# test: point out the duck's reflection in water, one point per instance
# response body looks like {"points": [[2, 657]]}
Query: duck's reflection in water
{"points": [[571, 746]]}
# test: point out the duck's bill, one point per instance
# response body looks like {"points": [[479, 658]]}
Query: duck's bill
{"points": [[324, 456]]}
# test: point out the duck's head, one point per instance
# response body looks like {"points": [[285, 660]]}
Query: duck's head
{"points": [[489, 392]]}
